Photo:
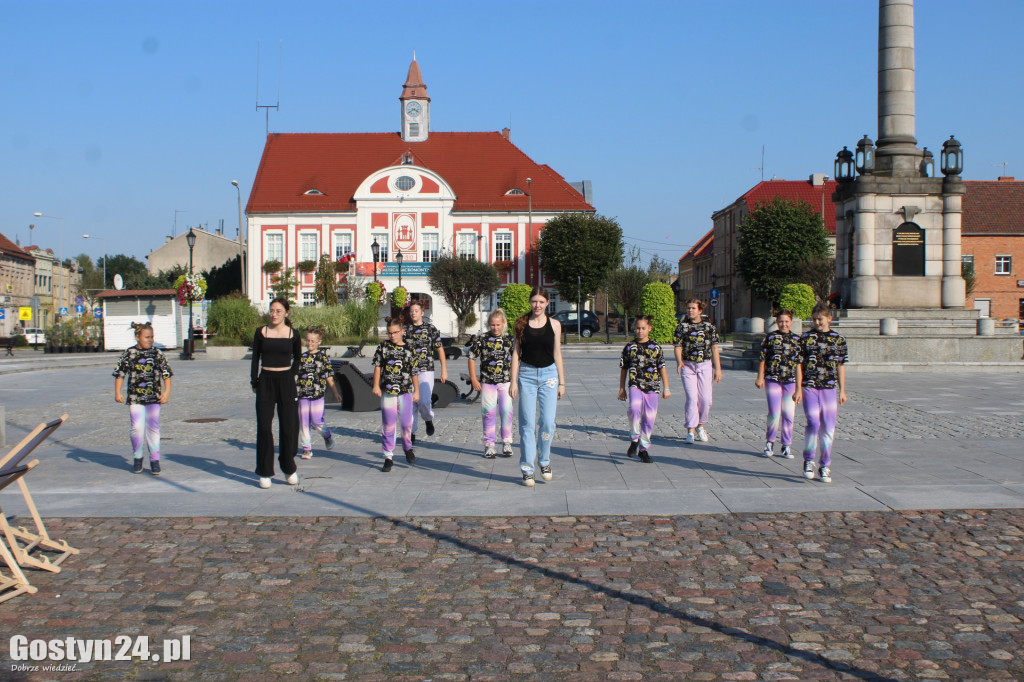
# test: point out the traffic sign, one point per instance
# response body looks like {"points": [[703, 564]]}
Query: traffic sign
{"points": [[79, 300], [3, 314], [97, 312], [714, 302], [24, 313], [64, 310], [79, 309], [713, 294]]}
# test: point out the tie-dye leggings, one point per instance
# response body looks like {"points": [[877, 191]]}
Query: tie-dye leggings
{"points": [[781, 408], [696, 377], [311, 415], [820, 409], [495, 405], [425, 407], [394, 410], [145, 422], [642, 411]]}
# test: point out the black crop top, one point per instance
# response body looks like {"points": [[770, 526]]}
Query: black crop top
{"points": [[274, 353], [538, 346]]}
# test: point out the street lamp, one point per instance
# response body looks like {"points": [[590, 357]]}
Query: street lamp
{"points": [[375, 248], [399, 257], [104, 240], [191, 239], [60, 236], [241, 242], [529, 230]]}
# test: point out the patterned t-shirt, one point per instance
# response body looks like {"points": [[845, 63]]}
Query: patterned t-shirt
{"points": [[424, 340], [696, 339], [495, 358], [314, 371], [146, 370], [780, 354], [643, 363], [397, 367], [822, 353]]}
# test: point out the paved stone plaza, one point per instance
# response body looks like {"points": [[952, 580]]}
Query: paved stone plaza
{"points": [[712, 563]]}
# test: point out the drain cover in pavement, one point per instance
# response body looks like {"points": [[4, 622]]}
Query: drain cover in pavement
{"points": [[205, 420]]}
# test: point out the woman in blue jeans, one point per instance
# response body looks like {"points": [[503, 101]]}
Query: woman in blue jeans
{"points": [[538, 379]]}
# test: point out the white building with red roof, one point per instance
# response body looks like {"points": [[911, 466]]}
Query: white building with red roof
{"points": [[416, 192]]}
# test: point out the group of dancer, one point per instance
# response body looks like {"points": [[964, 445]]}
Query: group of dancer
{"points": [[526, 364]]}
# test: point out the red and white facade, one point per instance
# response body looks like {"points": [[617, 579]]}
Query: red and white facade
{"points": [[418, 192]]}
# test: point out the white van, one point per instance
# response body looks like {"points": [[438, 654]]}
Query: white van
{"points": [[35, 337]]}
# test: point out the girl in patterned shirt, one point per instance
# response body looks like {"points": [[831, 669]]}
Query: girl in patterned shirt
{"points": [[315, 375], [394, 382], [643, 363], [776, 374], [495, 354], [149, 387], [821, 384], [696, 350], [425, 340]]}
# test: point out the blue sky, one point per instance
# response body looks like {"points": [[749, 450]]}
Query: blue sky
{"points": [[119, 116]]}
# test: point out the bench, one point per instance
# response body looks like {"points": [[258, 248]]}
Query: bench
{"points": [[8, 343], [451, 351], [357, 395], [356, 351], [469, 396]]}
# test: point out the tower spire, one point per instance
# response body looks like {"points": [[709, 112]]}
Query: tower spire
{"points": [[415, 105]]}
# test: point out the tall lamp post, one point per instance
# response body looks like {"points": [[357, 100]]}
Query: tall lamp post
{"points": [[241, 242], [529, 231], [60, 237], [104, 240], [399, 257], [191, 239], [375, 248]]}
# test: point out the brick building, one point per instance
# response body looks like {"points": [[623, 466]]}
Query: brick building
{"points": [[992, 237]]}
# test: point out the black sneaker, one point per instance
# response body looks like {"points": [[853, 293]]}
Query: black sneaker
{"points": [[410, 456], [430, 428], [545, 473], [633, 445], [528, 480], [645, 458], [154, 467], [137, 466], [413, 438], [387, 465]]}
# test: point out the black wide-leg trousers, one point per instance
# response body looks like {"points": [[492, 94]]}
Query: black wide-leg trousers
{"points": [[276, 390]]}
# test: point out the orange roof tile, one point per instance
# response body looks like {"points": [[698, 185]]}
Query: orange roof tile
{"points": [[993, 207], [707, 241], [818, 196], [480, 167], [12, 250]]}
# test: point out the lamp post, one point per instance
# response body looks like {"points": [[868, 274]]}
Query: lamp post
{"points": [[399, 257], [191, 239], [60, 237], [529, 229], [375, 248], [241, 241], [104, 240]]}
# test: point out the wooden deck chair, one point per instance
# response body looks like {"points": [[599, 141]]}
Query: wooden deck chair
{"points": [[21, 540], [16, 583]]}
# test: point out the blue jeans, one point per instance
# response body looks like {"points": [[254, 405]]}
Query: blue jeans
{"points": [[536, 385]]}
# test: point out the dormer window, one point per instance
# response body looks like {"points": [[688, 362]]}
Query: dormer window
{"points": [[405, 183], [515, 191], [312, 192]]}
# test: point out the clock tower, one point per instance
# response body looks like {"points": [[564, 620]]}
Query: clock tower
{"points": [[415, 106]]}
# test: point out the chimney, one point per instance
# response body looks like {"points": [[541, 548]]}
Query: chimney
{"points": [[1005, 178], [817, 179], [507, 133]]}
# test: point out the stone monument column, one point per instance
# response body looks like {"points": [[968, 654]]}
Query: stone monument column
{"points": [[864, 287], [897, 146], [954, 293]]}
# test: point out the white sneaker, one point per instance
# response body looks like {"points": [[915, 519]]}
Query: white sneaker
{"points": [[329, 443], [809, 469], [768, 452], [545, 473], [689, 439], [702, 434], [293, 478], [826, 475], [264, 482], [786, 452]]}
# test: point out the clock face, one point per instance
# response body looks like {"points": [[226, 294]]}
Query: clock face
{"points": [[413, 108]]}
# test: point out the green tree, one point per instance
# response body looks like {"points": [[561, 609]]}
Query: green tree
{"points": [[659, 301], [579, 245], [326, 280], [283, 285], [799, 298], [224, 279], [660, 270], [515, 301], [133, 271], [970, 278], [819, 273], [625, 286], [461, 282], [92, 279], [775, 240]]}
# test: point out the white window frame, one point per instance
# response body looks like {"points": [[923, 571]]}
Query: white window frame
{"points": [[465, 244], [342, 244], [503, 246], [308, 299], [309, 243], [1001, 260], [382, 240], [431, 250], [274, 248]]}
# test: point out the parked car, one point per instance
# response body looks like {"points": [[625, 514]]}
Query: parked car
{"points": [[589, 326], [35, 337]]}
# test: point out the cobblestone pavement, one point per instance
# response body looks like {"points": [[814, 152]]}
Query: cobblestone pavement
{"points": [[834, 596]]}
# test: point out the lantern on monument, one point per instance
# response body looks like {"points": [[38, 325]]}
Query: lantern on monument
{"points": [[927, 164], [952, 157], [844, 166], [865, 155]]}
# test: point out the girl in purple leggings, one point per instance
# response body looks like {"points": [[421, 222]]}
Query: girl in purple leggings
{"points": [[149, 387], [821, 385], [776, 374], [494, 352], [643, 364], [697, 361], [394, 382], [315, 375]]}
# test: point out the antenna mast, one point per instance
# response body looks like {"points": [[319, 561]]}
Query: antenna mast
{"points": [[268, 107]]}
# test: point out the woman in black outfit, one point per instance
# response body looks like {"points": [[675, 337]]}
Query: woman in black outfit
{"points": [[280, 350]]}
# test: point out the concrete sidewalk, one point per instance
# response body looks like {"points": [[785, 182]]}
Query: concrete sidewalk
{"points": [[922, 441]]}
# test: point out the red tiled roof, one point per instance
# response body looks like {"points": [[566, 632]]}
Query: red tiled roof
{"points": [[699, 249], [993, 207], [127, 293], [480, 167], [12, 250], [414, 86], [818, 196]]}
